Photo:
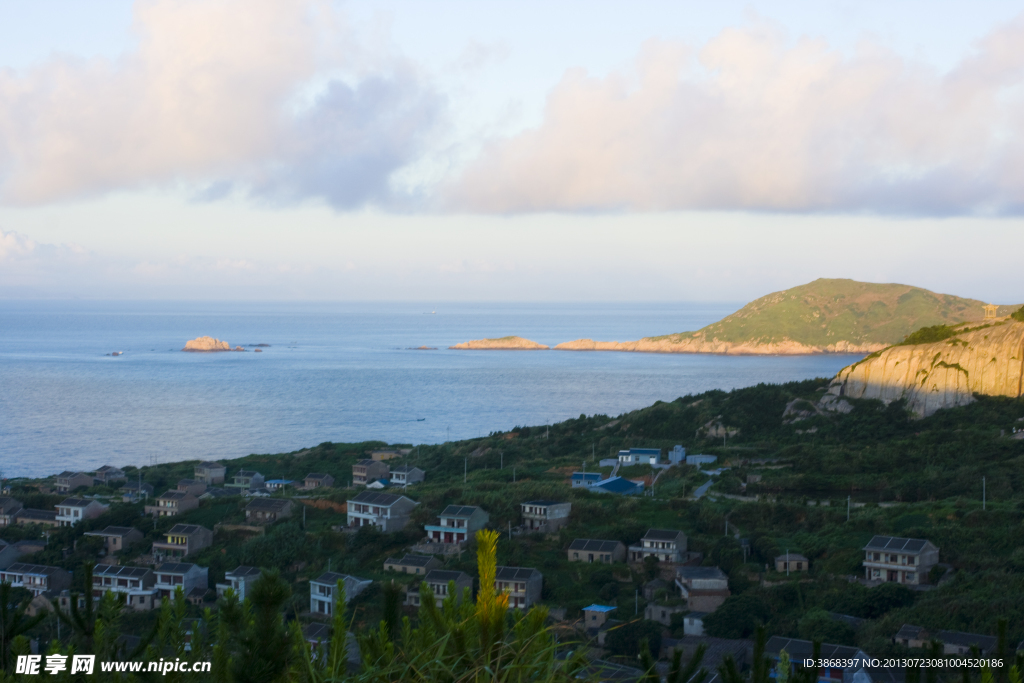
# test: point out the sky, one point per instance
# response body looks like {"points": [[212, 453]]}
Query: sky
{"points": [[508, 151]]}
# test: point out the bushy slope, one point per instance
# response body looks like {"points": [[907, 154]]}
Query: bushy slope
{"points": [[827, 311]]}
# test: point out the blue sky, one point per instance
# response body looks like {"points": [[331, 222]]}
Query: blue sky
{"points": [[508, 151]]}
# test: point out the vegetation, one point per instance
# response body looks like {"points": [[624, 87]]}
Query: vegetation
{"points": [[799, 479], [827, 311]]}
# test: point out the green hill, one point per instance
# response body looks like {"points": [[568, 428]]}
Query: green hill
{"points": [[826, 312]]}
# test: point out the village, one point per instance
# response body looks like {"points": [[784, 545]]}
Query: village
{"points": [[660, 586]]}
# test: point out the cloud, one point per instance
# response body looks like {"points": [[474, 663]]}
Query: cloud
{"points": [[274, 97], [755, 121], [15, 246]]}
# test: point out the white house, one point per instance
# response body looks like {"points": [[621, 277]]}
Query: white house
{"points": [[323, 591], [385, 511], [71, 511]]}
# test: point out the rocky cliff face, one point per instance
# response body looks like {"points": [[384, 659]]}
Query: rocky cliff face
{"points": [[206, 344], [987, 360], [700, 343], [514, 343]]}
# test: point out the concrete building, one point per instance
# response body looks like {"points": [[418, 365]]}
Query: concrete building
{"points": [[323, 591], [693, 624], [640, 456], [406, 475], [196, 487], [412, 564], [71, 511], [241, 578], [677, 455], [68, 481], [799, 650], [523, 584], [901, 560], [791, 562], [456, 524], [584, 479], [664, 544], [267, 510], [9, 508], [953, 642], [277, 484], [173, 575], [41, 517], [663, 613], [592, 550], [595, 616], [385, 511], [246, 480], [547, 516], [117, 538], [108, 474], [210, 472], [367, 471], [171, 503], [703, 588], [181, 541], [318, 480], [134, 583], [437, 580], [701, 459], [36, 578], [133, 491]]}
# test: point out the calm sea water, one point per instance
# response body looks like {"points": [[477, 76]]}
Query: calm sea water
{"points": [[333, 372]]}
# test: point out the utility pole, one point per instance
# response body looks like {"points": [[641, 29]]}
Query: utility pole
{"points": [[303, 516], [983, 501], [593, 451], [510, 531], [636, 602], [848, 508], [513, 474], [787, 561], [465, 469], [502, 454]]}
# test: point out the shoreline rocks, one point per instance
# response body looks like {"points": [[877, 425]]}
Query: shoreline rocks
{"points": [[679, 344], [502, 343], [208, 345]]}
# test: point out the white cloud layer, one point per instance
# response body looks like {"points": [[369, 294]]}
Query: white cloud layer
{"points": [[754, 121], [271, 97]]}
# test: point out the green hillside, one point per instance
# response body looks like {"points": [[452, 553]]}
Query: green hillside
{"points": [[828, 311]]}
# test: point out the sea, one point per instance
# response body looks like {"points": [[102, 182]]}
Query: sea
{"points": [[342, 372]]}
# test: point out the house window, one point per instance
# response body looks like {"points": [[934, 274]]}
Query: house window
{"points": [[575, 556]]}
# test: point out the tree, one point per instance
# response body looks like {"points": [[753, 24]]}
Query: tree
{"points": [[738, 617], [13, 622], [626, 639], [264, 646]]}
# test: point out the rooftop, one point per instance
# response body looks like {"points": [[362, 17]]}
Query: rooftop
{"points": [[411, 560], [459, 511], [896, 544], [30, 513], [379, 499], [700, 573], [22, 568], [75, 502], [184, 529], [244, 570], [515, 573], [543, 503], [331, 578], [123, 572], [591, 545], [800, 649], [112, 531], [598, 608], [317, 475], [247, 473], [661, 535], [207, 464], [268, 504], [173, 495], [791, 557], [175, 567], [444, 576]]}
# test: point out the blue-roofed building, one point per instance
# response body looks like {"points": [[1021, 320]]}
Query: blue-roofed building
{"points": [[700, 459], [275, 484], [584, 479], [594, 616], [619, 486]]}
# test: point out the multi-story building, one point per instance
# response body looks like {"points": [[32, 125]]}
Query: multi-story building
{"points": [[68, 481], [277, 484], [663, 613], [900, 560], [318, 480], [367, 471], [171, 503], [108, 474], [323, 591], [36, 578], [592, 550], [385, 511], [412, 564], [523, 585], [135, 583], [9, 508], [664, 544], [267, 510], [247, 480], [196, 487], [703, 588], [437, 580], [241, 578], [585, 479], [456, 524], [953, 642], [850, 661], [134, 491], [210, 472], [71, 511], [406, 475], [117, 538], [173, 575], [640, 456], [182, 540], [547, 516]]}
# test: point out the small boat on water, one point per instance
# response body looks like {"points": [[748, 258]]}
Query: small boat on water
{"points": [[420, 419]]}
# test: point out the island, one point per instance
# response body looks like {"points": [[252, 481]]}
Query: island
{"points": [[506, 343], [208, 345]]}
